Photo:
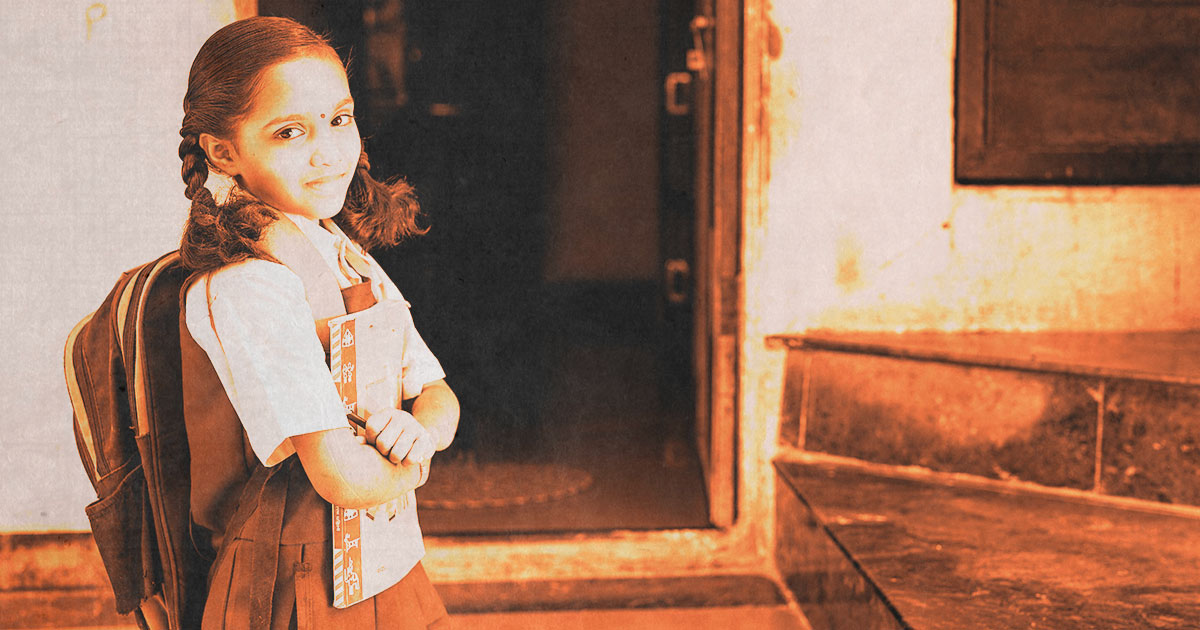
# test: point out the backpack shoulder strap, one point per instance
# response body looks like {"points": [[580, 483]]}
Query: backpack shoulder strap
{"points": [[83, 417], [134, 346], [152, 351]]}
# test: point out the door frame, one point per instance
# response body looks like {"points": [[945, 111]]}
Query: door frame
{"points": [[738, 200], [723, 265], [701, 145], [746, 545]]}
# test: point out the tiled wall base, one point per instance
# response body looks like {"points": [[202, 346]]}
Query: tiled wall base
{"points": [[1152, 442], [997, 423]]}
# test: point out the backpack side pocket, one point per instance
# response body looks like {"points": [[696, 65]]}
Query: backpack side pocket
{"points": [[118, 522]]}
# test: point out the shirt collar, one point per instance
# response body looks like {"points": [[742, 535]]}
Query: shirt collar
{"points": [[320, 237]]}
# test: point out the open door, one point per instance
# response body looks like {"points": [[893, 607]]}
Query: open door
{"points": [[584, 242], [700, 224]]}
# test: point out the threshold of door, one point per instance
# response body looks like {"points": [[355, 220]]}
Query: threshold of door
{"points": [[690, 592]]}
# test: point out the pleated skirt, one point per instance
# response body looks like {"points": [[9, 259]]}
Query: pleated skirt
{"points": [[303, 598]]}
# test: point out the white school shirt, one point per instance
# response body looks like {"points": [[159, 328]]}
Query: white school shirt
{"points": [[269, 359]]}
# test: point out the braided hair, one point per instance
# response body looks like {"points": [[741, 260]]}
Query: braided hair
{"points": [[222, 86]]}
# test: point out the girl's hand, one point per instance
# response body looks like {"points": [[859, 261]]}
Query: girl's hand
{"points": [[398, 436]]}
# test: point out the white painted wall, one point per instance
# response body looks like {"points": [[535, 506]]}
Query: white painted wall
{"points": [[865, 228], [91, 97]]}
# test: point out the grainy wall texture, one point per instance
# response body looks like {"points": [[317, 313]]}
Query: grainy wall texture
{"points": [[866, 229], [91, 187]]}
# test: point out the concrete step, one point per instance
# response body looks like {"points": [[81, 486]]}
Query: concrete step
{"points": [[56, 580]]}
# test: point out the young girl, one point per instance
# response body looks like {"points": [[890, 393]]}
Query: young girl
{"points": [[269, 126]]}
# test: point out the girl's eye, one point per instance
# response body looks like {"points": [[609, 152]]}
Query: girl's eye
{"points": [[289, 133], [341, 120]]}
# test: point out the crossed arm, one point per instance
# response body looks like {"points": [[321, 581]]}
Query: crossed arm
{"points": [[389, 459]]}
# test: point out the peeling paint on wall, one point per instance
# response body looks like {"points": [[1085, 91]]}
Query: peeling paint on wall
{"points": [[849, 274]]}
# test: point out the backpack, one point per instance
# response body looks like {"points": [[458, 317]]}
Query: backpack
{"points": [[127, 404], [125, 371]]}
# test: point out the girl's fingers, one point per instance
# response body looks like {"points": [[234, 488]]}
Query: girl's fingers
{"points": [[422, 450], [390, 439], [376, 424], [402, 447], [399, 437]]}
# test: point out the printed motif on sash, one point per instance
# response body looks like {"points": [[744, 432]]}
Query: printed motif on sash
{"points": [[347, 534], [347, 557], [342, 362], [376, 547]]}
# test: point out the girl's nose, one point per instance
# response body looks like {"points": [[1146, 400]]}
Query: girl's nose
{"points": [[321, 154], [325, 149]]}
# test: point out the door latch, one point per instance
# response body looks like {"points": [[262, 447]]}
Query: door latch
{"points": [[677, 106]]}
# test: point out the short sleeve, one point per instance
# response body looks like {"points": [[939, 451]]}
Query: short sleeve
{"points": [[420, 366], [266, 352]]}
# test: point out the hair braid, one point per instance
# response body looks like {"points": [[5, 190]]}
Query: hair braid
{"points": [[379, 213], [217, 234], [195, 165]]}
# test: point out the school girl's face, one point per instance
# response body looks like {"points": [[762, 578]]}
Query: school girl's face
{"points": [[298, 147]]}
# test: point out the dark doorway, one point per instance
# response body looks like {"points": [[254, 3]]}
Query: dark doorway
{"points": [[554, 281]]}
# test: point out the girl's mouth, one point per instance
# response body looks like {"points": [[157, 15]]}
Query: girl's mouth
{"points": [[325, 182]]}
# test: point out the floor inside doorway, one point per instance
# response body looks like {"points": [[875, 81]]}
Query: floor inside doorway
{"points": [[572, 429]]}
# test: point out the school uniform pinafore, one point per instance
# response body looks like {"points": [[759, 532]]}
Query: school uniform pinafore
{"points": [[270, 528]]}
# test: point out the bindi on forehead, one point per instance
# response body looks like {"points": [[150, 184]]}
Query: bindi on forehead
{"points": [[299, 88]]}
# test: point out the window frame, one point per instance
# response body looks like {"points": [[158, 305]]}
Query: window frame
{"points": [[980, 159]]}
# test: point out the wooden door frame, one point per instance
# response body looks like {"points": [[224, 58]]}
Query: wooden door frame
{"points": [[723, 267]]}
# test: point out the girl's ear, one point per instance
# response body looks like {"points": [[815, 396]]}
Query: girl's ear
{"points": [[221, 153]]}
